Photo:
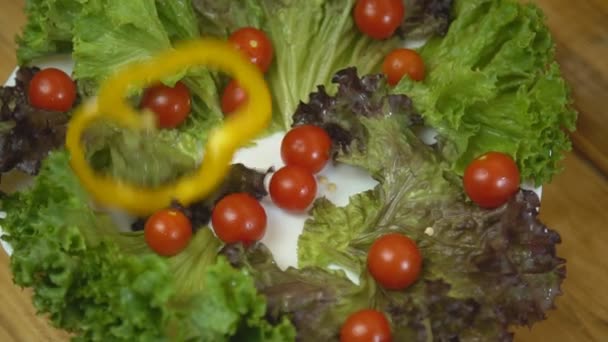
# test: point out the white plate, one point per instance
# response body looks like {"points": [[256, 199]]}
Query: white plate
{"points": [[338, 184]]}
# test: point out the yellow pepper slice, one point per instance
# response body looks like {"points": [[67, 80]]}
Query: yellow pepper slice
{"points": [[237, 129]]}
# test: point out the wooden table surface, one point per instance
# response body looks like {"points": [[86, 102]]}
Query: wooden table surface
{"points": [[575, 203]]}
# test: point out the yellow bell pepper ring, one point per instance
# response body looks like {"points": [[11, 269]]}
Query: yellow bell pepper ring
{"points": [[239, 128]]}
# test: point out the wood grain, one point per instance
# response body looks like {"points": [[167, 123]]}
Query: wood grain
{"points": [[580, 29], [11, 20], [575, 204]]}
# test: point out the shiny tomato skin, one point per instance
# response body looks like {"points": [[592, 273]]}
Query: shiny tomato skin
{"points": [[402, 62], [367, 325], [293, 188], [52, 89], [239, 217], [379, 18], [491, 179], [167, 232], [233, 97], [394, 261], [307, 146], [170, 104], [255, 44]]}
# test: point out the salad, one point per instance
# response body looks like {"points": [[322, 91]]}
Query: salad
{"points": [[445, 246]]}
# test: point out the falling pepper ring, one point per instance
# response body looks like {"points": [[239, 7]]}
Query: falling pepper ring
{"points": [[239, 128]]}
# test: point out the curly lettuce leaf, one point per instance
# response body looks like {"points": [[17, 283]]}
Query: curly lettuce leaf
{"points": [[493, 85], [27, 134], [101, 284], [316, 300], [483, 270], [80, 279], [355, 98], [231, 306], [48, 29], [499, 266]]}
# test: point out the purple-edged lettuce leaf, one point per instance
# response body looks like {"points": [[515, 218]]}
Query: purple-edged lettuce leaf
{"points": [[483, 270], [27, 134], [340, 114]]}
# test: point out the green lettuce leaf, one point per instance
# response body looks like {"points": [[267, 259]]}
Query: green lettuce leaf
{"points": [[102, 284], [62, 249], [231, 306], [48, 29], [106, 35], [118, 33], [301, 32], [110, 34], [178, 18], [316, 300], [493, 85]]}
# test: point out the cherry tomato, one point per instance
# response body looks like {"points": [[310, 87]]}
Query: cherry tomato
{"points": [[394, 261], [307, 146], [52, 89], [170, 104], [379, 18], [491, 179], [168, 232], [293, 188], [401, 62], [239, 217], [233, 97], [366, 326], [255, 44]]}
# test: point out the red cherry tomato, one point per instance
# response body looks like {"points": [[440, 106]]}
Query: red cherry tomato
{"points": [[168, 232], [307, 146], [366, 326], [491, 179], [394, 261], [233, 97], [52, 89], [239, 218], [255, 44], [293, 188], [401, 62], [379, 18], [170, 104]]}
